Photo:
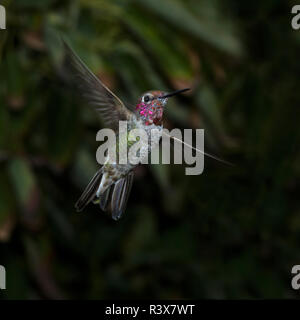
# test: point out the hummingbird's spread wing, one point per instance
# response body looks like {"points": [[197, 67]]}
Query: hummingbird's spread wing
{"points": [[110, 107]]}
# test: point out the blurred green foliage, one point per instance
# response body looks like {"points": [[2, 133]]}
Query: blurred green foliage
{"points": [[232, 232]]}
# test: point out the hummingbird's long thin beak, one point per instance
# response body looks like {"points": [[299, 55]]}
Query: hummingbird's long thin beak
{"points": [[174, 93]]}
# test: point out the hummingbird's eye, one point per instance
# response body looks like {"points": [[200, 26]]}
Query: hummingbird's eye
{"points": [[147, 98]]}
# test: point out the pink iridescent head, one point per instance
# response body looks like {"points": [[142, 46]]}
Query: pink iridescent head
{"points": [[151, 105]]}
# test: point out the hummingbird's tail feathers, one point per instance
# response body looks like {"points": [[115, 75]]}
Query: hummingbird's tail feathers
{"points": [[89, 192], [103, 200], [197, 150], [120, 195]]}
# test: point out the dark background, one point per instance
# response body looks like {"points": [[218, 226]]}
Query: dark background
{"points": [[232, 232]]}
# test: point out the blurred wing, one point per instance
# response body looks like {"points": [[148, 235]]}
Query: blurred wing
{"points": [[109, 106]]}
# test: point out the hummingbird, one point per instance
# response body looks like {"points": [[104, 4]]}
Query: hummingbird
{"points": [[112, 183]]}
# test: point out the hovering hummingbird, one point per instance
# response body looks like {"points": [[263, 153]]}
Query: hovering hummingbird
{"points": [[114, 181]]}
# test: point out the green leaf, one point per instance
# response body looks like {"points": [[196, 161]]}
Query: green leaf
{"points": [[177, 14]]}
